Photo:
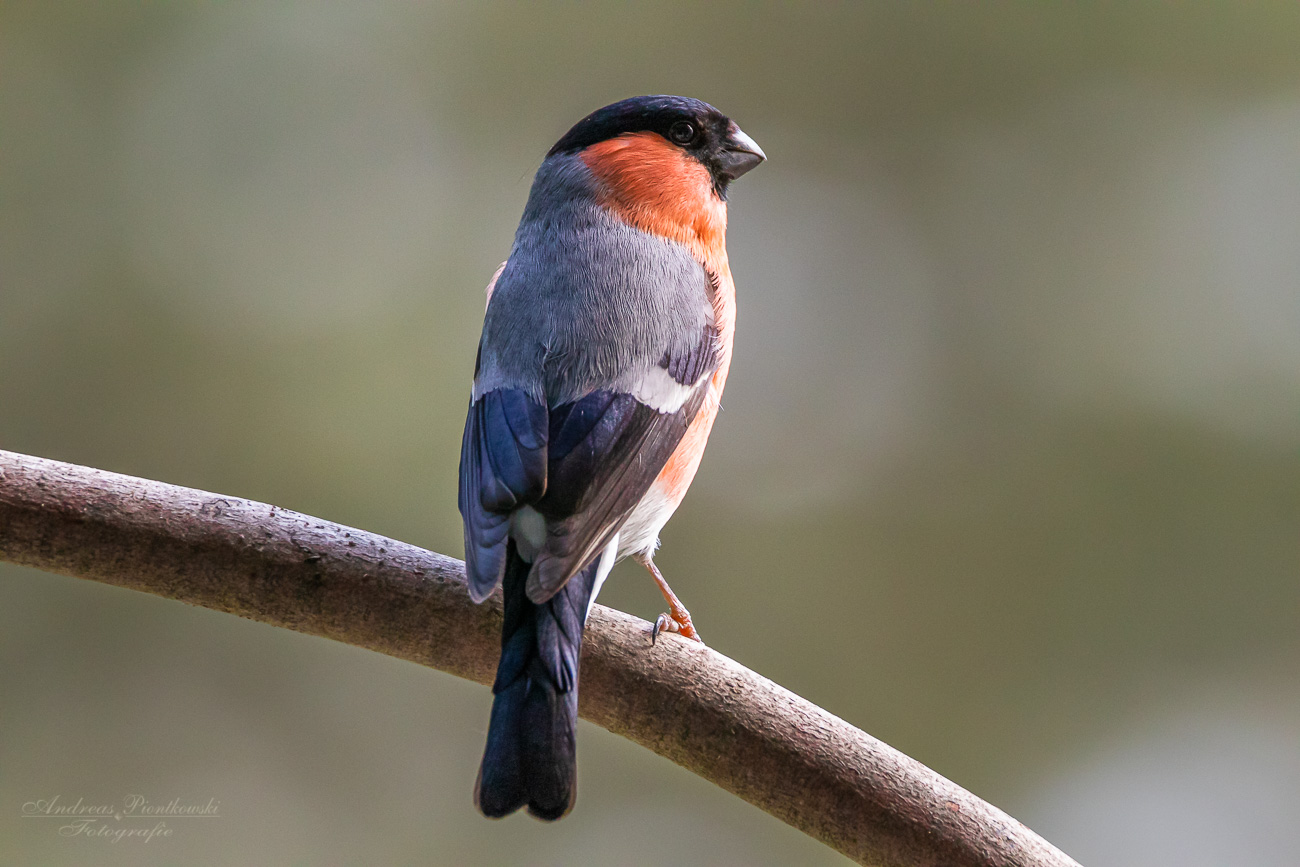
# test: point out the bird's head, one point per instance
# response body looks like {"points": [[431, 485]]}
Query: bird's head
{"points": [[658, 129]]}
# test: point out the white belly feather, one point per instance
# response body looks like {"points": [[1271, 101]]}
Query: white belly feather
{"points": [[640, 535]]}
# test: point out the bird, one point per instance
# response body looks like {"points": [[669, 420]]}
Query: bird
{"points": [[606, 344]]}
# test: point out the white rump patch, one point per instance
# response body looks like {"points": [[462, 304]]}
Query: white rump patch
{"points": [[528, 529]]}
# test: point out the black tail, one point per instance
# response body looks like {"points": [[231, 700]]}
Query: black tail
{"points": [[530, 758]]}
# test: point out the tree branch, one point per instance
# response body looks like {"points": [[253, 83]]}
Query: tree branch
{"points": [[685, 702]]}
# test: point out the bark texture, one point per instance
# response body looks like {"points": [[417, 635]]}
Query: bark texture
{"points": [[688, 703]]}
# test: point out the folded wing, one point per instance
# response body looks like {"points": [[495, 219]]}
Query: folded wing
{"points": [[582, 465]]}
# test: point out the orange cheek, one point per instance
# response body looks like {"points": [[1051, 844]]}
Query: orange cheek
{"points": [[659, 188]]}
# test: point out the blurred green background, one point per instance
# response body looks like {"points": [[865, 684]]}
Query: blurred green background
{"points": [[1009, 472]]}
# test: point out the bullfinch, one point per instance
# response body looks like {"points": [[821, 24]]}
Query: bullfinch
{"points": [[605, 349]]}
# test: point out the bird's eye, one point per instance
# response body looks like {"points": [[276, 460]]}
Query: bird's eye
{"points": [[682, 132]]}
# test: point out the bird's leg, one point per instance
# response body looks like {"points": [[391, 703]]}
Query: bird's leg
{"points": [[679, 620]]}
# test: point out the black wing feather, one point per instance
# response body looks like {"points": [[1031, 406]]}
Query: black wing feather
{"points": [[502, 467], [594, 486]]}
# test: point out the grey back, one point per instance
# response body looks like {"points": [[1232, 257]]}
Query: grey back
{"points": [[586, 301]]}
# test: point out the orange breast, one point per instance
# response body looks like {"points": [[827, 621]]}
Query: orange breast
{"points": [[659, 188]]}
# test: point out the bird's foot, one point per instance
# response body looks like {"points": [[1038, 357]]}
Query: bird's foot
{"points": [[679, 622]]}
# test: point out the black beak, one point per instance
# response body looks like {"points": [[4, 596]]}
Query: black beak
{"points": [[740, 153]]}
